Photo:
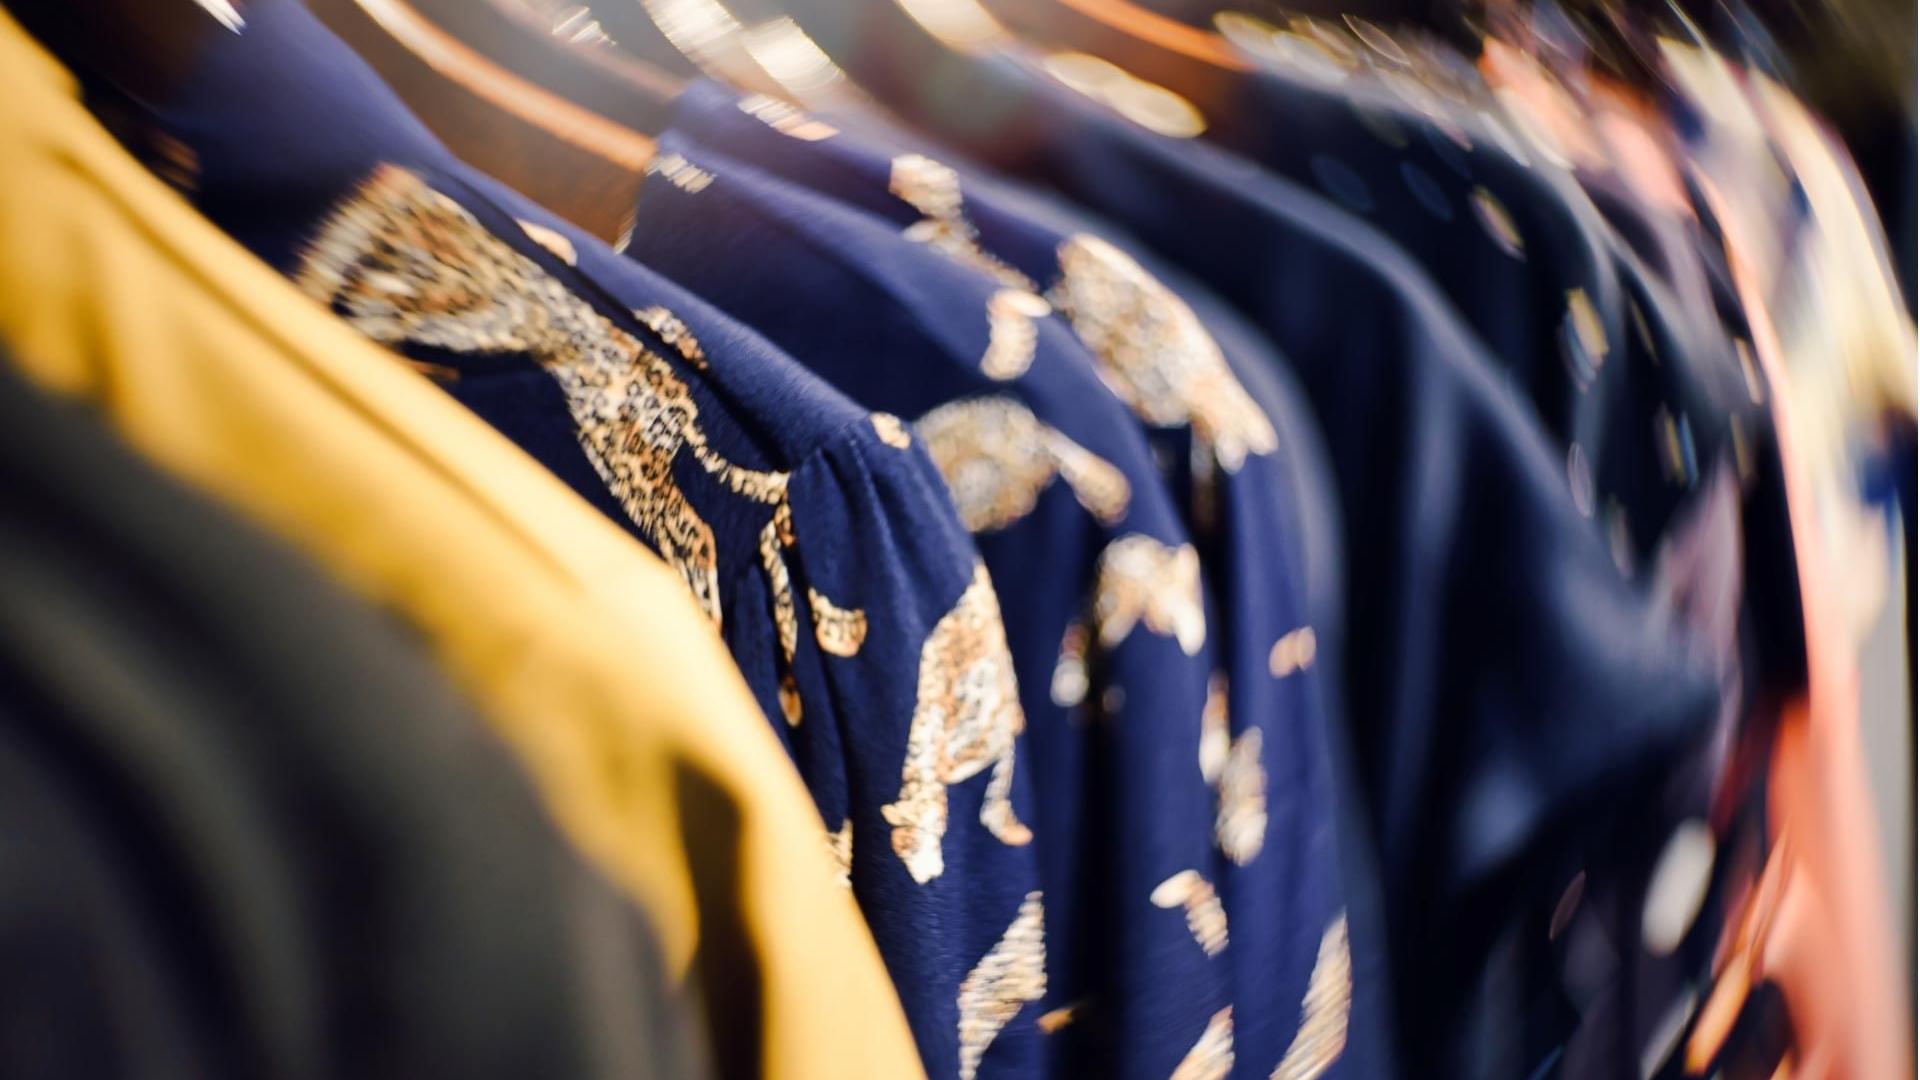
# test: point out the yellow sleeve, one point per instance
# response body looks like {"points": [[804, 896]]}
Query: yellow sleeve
{"points": [[584, 652]]}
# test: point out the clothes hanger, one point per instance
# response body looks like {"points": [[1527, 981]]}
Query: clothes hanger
{"points": [[575, 162], [655, 31], [1196, 63], [560, 47], [909, 54]]}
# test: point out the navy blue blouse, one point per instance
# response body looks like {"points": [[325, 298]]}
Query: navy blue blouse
{"points": [[1503, 682], [1596, 305], [820, 540], [1161, 636]]}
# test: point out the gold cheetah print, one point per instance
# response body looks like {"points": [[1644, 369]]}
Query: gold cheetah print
{"points": [[404, 265], [1206, 916], [1012, 973], [1212, 1055], [840, 853], [1323, 1014], [997, 457], [1240, 826], [965, 720], [1153, 351], [1142, 580]]}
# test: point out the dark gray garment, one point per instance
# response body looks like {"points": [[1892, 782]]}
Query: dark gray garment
{"points": [[247, 830]]}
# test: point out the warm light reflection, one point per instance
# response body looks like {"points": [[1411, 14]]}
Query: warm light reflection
{"points": [[963, 24], [786, 53], [1150, 105], [695, 27]]}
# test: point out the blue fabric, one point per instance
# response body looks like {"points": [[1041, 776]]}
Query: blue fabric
{"points": [[1509, 233], [308, 159], [1505, 686], [1125, 802]]}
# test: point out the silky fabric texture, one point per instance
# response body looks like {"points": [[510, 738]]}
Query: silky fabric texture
{"points": [[1116, 656], [362, 885], [580, 649], [831, 560], [1531, 685]]}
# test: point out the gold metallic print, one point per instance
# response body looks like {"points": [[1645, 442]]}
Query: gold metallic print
{"points": [[1240, 826], [557, 244], [1212, 1055], [1206, 916], [839, 631], [773, 562], [790, 700], [1215, 740], [406, 265], [1012, 336], [1142, 580], [1323, 1014], [965, 720], [668, 328], [1054, 1020], [997, 458], [840, 851], [934, 189], [891, 430], [1293, 652], [1154, 352], [1012, 973], [1070, 679]]}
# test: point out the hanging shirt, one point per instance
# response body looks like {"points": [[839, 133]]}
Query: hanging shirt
{"points": [[829, 558], [583, 652], [180, 874], [1596, 308], [1146, 662], [1502, 679]]}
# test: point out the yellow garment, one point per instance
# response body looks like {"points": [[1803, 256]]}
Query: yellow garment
{"points": [[586, 653]]}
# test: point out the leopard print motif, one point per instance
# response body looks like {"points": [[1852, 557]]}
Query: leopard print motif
{"points": [[997, 457], [406, 265], [1142, 580], [1153, 351], [965, 719]]}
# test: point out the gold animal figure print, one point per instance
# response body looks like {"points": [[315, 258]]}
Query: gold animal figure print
{"points": [[934, 189], [1240, 826], [840, 851], [997, 457], [1153, 351], [1142, 580], [965, 719], [406, 265], [1216, 742], [891, 431], [1293, 652], [1070, 681], [1012, 973], [1012, 336], [1212, 1055], [1206, 916], [839, 631], [1054, 1020], [1323, 1014]]}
